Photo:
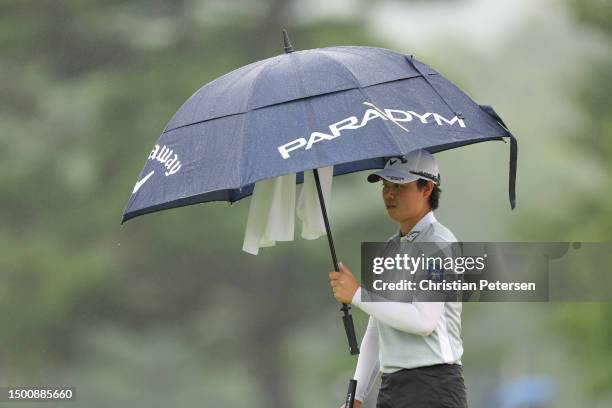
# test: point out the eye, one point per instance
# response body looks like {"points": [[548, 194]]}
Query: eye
{"points": [[390, 186]]}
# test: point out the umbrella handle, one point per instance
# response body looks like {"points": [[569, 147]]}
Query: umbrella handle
{"points": [[347, 318], [349, 328], [350, 395]]}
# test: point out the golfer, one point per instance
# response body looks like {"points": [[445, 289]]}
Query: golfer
{"points": [[417, 346]]}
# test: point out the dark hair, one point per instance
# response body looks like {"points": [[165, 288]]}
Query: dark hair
{"points": [[434, 197]]}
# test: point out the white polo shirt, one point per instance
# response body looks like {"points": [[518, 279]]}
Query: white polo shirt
{"points": [[409, 335]]}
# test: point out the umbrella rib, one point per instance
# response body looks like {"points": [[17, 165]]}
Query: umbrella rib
{"points": [[242, 153], [260, 76], [426, 78], [248, 69], [364, 93], [247, 115], [261, 67], [308, 105]]}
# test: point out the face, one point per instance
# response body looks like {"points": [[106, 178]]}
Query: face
{"points": [[405, 201]]}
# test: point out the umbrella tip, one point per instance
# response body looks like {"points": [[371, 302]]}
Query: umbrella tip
{"points": [[288, 47]]}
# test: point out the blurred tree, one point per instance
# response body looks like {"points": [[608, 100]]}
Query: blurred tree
{"points": [[588, 326]]}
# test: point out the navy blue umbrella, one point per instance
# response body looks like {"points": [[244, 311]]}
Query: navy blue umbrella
{"points": [[350, 107]]}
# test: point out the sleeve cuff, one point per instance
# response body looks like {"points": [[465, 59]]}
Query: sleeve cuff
{"points": [[356, 297]]}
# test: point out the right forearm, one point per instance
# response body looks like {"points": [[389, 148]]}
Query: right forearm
{"points": [[419, 318]]}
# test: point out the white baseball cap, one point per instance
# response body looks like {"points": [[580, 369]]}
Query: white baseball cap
{"points": [[404, 169]]}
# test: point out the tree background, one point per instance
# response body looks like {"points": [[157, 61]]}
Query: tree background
{"points": [[167, 309]]}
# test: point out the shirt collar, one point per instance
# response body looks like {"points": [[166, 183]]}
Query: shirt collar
{"points": [[421, 225]]}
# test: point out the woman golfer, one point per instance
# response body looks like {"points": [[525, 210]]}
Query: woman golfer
{"points": [[417, 346]]}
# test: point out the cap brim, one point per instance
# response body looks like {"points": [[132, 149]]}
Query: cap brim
{"points": [[392, 176]]}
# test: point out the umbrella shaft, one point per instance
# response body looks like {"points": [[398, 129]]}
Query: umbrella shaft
{"points": [[330, 240], [347, 319]]}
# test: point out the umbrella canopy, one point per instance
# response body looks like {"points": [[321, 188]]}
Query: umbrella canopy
{"points": [[347, 107]]}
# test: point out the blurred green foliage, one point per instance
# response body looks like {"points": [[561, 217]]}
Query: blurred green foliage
{"points": [[588, 326]]}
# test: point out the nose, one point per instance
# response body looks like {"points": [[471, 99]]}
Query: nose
{"points": [[388, 193]]}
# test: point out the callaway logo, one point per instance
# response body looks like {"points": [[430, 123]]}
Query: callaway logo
{"points": [[427, 175], [142, 181], [351, 123], [412, 235], [165, 156], [395, 160]]}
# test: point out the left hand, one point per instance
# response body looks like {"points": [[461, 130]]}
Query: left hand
{"points": [[343, 283]]}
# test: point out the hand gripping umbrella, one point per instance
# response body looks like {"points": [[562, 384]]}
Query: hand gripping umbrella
{"points": [[350, 107]]}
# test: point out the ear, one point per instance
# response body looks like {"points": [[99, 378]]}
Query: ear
{"points": [[429, 189]]}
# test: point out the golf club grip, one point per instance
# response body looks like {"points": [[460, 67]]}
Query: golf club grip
{"points": [[350, 395], [349, 327]]}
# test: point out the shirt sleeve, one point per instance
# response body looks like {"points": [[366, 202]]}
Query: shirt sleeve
{"points": [[419, 318], [368, 363]]}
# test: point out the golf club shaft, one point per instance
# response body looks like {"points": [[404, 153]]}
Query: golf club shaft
{"points": [[347, 318]]}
